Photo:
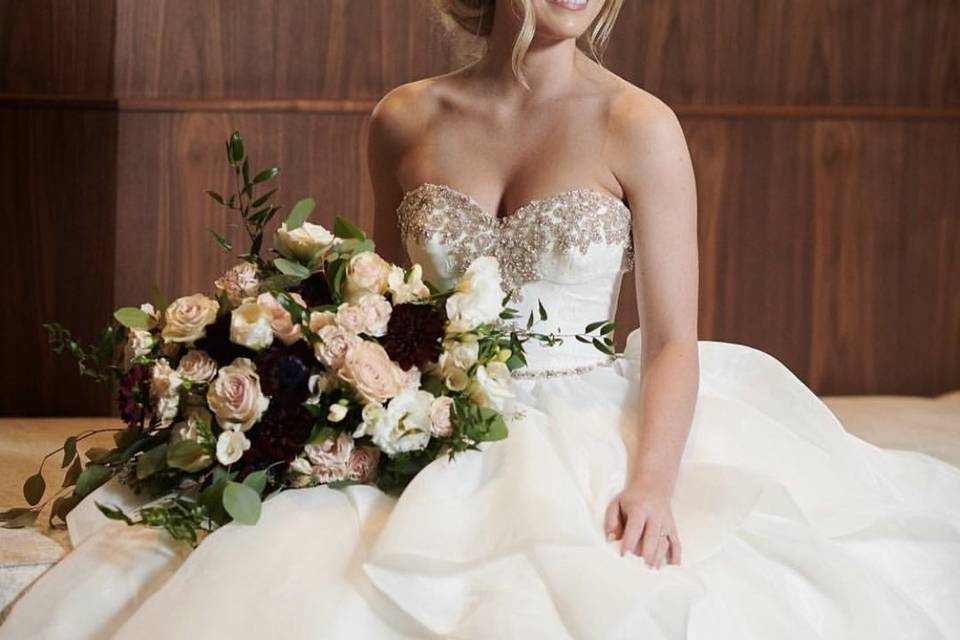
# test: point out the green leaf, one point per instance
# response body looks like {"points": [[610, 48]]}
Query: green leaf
{"points": [[69, 451], [151, 461], [98, 454], [63, 506], [133, 318], [236, 148], [33, 489], [262, 199], [608, 328], [70, 477], [602, 347], [543, 312], [18, 518], [257, 481], [291, 268], [91, 478], [212, 498], [343, 228], [186, 455], [593, 326], [246, 172], [216, 196], [241, 502], [114, 513], [223, 242], [266, 174], [299, 214]]}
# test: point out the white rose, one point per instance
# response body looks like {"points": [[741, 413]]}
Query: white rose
{"points": [[333, 345], [187, 318], [376, 314], [405, 425], [239, 282], [250, 326], [491, 386], [165, 392], [235, 396], [230, 446], [479, 296], [280, 319], [441, 423], [406, 286], [461, 354], [304, 243], [366, 273], [337, 413], [197, 367]]}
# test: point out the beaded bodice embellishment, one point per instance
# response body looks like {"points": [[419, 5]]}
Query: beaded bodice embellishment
{"points": [[569, 221]]}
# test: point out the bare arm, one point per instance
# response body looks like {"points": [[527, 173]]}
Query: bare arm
{"points": [[657, 177], [392, 130]]}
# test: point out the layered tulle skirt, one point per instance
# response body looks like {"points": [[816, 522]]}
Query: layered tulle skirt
{"points": [[791, 528]]}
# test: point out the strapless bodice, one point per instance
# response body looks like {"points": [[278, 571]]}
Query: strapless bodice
{"points": [[568, 251]]}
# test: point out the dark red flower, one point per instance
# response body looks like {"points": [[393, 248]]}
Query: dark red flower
{"points": [[133, 395], [315, 290], [284, 372], [414, 334], [280, 435], [217, 343]]}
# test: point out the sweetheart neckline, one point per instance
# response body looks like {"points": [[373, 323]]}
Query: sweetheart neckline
{"points": [[522, 209]]}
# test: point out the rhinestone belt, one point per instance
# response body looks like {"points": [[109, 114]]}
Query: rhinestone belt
{"points": [[525, 374]]}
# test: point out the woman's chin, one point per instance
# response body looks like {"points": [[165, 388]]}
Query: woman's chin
{"points": [[566, 18]]}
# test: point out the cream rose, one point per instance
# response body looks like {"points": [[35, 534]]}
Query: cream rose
{"points": [[351, 318], [304, 243], [280, 320], [362, 466], [235, 396], [186, 318], [333, 345], [320, 319], [406, 286], [250, 326], [197, 367], [239, 282], [230, 447], [479, 296], [368, 368], [366, 273], [461, 354], [441, 424]]}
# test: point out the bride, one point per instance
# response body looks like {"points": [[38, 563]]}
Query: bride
{"points": [[687, 490]]}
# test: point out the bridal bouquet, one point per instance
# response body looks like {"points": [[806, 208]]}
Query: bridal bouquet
{"points": [[320, 363]]}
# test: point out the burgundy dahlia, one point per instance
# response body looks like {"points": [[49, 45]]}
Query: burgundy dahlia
{"points": [[315, 290], [284, 372], [414, 334], [217, 343], [280, 435], [133, 396]]}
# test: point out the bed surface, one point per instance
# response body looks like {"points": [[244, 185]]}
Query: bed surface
{"points": [[927, 425]]}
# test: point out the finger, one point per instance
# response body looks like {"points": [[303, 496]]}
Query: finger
{"points": [[612, 524], [661, 554], [636, 524], [651, 538], [674, 555]]}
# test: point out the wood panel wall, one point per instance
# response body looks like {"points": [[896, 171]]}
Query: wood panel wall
{"points": [[825, 135]]}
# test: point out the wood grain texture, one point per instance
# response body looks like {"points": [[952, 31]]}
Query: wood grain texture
{"points": [[269, 49], [58, 206], [57, 46], [167, 161], [810, 52]]}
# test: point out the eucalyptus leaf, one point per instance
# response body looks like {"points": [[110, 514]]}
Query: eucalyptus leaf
{"points": [[62, 506], [91, 478], [69, 451], [70, 477], [33, 489], [343, 228], [257, 481], [19, 518], [186, 455], [299, 213], [291, 268], [133, 318], [241, 502], [151, 461]]}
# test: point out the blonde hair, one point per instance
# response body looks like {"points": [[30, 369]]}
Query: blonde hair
{"points": [[475, 17]]}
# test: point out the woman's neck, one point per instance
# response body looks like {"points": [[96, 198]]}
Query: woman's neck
{"points": [[549, 66]]}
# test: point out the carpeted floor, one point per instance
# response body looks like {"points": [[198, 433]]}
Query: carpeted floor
{"points": [[928, 425]]}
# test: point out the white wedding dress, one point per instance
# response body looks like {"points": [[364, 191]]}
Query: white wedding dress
{"points": [[791, 527]]}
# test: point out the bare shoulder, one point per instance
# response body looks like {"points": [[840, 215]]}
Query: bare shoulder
{"points": [[640, 123], [401, 115]]}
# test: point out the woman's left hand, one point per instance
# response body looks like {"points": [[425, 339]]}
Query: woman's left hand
{"points": [[640, 516]]}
